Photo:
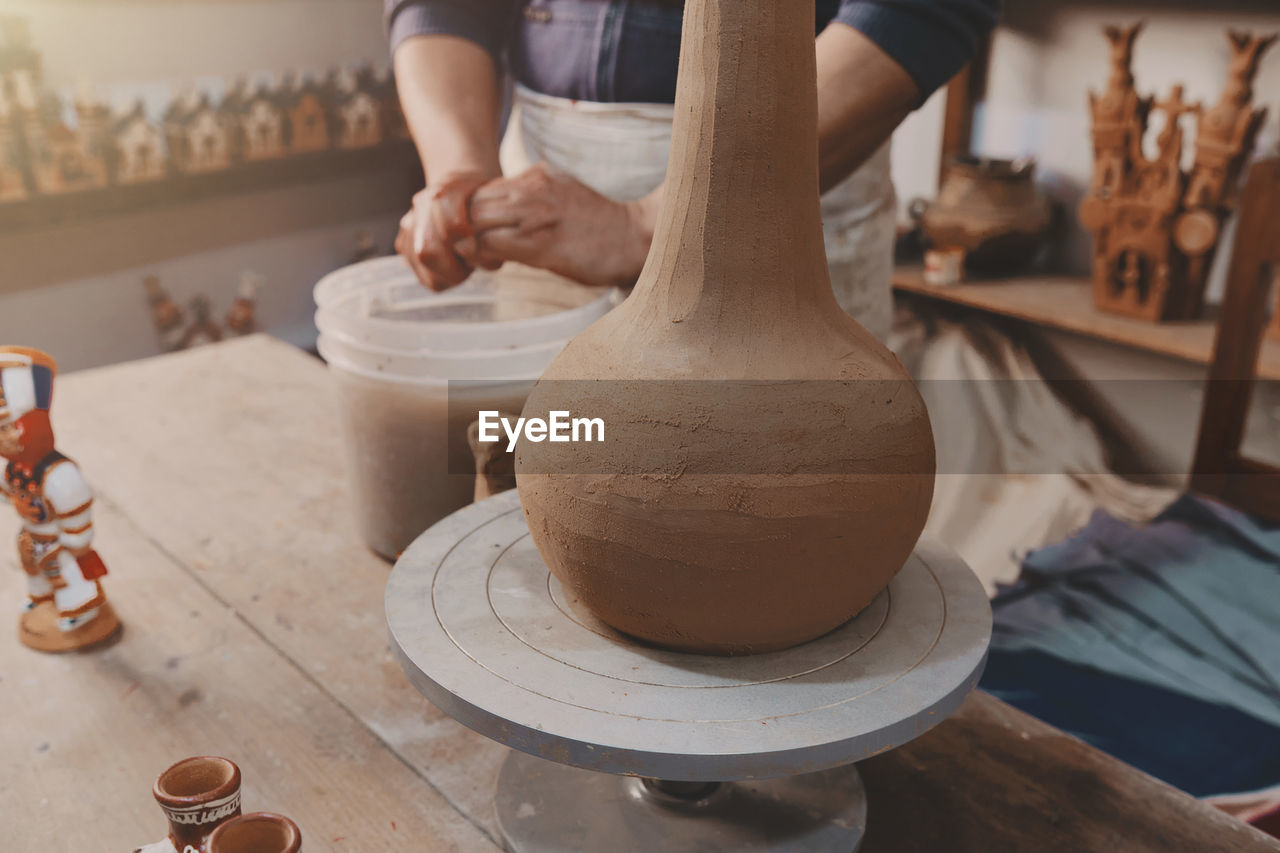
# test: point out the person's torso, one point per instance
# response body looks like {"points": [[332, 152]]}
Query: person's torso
{"points": [[614, 51]]}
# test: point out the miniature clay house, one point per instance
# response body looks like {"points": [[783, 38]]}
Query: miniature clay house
{"points": [[261, 127], [359, 111], [60, 159], [198, 137], [139, 149], [308, 118], [1156, 226], [13, 176], [229, 113]]}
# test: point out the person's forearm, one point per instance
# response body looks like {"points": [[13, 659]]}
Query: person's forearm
{"points": [[449, 91], [863, 95]]}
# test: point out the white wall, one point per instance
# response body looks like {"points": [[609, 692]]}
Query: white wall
{"points": [[114, 42]]}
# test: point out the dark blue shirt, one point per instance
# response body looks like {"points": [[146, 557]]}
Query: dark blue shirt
{"points": [[628, 51]]}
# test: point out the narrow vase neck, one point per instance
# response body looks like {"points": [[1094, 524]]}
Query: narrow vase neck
{"points": [[741, 226]]}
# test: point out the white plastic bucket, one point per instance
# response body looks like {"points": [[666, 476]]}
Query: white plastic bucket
{"points": [[394, 347]]}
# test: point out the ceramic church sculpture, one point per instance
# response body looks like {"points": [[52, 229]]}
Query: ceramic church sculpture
{"points": [[768, 464], [1155, 225], [66, 608]]}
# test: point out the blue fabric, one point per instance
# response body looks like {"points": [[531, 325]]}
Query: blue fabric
{"points": [[1200, 747], [628, 51], [1179, 618]]}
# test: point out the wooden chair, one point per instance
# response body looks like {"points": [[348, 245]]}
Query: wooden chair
{"points": [[1220, 470]]}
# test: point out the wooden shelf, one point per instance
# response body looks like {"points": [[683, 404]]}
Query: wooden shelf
{"points": [[52, 211], [1066, 303]]}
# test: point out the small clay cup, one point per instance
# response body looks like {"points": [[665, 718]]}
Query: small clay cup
{"points": [[259, 832], [198, 794]]}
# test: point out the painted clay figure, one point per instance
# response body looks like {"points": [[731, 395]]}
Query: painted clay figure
{"points": [[242, 318], [202, 330], [65, 608], [167, 317]]}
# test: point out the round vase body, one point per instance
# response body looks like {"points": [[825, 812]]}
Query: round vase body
{"points": [[767, 465]]}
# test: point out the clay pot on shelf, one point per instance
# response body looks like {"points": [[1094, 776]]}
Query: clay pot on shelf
{"points": [[990, 208], [768, 465], [197, 795], [259, 832]]}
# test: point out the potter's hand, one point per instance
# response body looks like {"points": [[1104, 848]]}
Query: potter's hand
{"points": [[546, 219], [429, 231]]}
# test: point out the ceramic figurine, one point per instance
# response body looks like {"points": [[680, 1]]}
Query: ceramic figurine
{"points": [[259, 832], [1155, 226], [167, 318], [769, 464], [66, 608], [305, 104], [241, 319], [992, 210], [140, 153], [13, 173], [202, 330], [359, 111], [1227, 132], [197, 796]]}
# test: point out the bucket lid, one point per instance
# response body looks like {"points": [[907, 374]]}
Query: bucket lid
{"points": [[380, 303]]}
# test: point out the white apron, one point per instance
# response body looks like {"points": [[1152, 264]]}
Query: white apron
{"points": [[621, 151]]}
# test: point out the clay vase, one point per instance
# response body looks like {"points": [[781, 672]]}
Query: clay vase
{"points": [[259, 832], [767, 464], [990, 208], [197, 795]]}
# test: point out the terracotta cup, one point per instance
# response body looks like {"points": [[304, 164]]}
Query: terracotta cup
{"points": [[198, 794], [259, 832]]}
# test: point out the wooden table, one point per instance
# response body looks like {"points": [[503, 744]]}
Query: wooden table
{"points": [[255, 630]]}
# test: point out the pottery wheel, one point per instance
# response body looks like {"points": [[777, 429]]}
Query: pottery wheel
{"points": [[490, 637]]}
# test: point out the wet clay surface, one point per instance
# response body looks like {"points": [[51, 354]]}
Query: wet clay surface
{"points": [[714, 522]]}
